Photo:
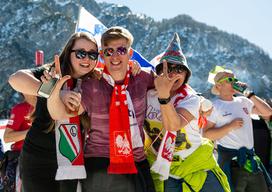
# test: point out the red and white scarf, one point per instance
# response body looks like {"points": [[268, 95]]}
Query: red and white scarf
{"points": [[124, 129], [167, 147], [69, 147]]}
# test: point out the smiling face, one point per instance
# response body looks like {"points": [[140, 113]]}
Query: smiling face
{"points": [[84, 64], [116, 57]]}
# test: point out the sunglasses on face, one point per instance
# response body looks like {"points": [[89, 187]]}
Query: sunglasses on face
{"points": [[81, 54], [119, 51], [228, 79], [170, 68]]}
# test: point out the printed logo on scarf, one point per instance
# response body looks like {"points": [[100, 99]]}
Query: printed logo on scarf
{"points": [[122, 145], [182, 141], [69, 145], [169, 146]]}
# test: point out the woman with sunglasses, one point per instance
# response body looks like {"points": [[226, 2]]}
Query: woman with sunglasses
{"points": [[38, 160], [230, 125], [181, 159]]}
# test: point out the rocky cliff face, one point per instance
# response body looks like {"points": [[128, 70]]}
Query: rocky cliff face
{"points": [[28, 25]]}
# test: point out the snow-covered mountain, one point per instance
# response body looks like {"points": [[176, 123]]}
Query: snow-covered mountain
{"points": [[28, 25]]}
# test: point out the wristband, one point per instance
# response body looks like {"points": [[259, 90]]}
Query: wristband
{"points": [[164, 101], [250, 94]]}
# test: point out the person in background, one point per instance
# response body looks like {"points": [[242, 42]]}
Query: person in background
{"points": [[262, 140], [230, 126], [16, 130], [268, 121], [19, 122], [181, 159], [38, 161], [2, 159]]}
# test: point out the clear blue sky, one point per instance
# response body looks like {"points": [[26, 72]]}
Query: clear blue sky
{"points": [[250, 19]]}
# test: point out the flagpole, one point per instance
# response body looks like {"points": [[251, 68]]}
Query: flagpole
{"points": [[79, 10]]}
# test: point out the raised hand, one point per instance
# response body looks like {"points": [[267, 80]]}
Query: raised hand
{"points": [[239, 87], [71, 100], [135, 67], [57, 67], [164, 83], [55, 72]]}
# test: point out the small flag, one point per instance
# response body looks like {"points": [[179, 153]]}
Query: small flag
{"points": [[142, 61]]}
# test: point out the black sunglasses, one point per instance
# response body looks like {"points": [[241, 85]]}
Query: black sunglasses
{"points": [[81, 54], [119, 51], [171, 68]]}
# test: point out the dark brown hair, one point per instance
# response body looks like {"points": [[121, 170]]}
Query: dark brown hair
{"points": [[66, 65]]}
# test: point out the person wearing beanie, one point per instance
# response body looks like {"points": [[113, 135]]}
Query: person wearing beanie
{"points": [[230, 126], [181, 159]]}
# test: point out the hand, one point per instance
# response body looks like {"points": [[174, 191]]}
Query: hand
{"points": [[46, 76], [71, 100], [236, 123], [206, 113], [135, 68], [97, 73], [57, 67], [55, 72], [240, 84], [163, 83]]}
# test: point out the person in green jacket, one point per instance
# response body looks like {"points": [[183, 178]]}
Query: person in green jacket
{"points": [[181, 159]]}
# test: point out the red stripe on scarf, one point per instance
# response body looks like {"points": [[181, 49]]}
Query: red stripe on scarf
{"points": [[182, 90], [79, 160], [121, 152]]}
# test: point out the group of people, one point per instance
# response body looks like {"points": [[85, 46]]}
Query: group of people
{"points": [[127, 129]]}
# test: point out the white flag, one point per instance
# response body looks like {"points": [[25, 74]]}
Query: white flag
{"points": [[88, 23]]}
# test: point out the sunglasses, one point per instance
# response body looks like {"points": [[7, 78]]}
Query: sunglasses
{"points": [[228, 79], [170, 68], [81, 54], [119, 51]]}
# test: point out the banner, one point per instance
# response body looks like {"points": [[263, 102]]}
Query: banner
{"points": [[88, 23]]}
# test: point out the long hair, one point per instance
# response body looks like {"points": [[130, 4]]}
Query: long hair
{"points": [[65, 62]]}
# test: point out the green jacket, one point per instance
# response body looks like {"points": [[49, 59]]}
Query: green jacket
{"points": [[193, 170]]}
